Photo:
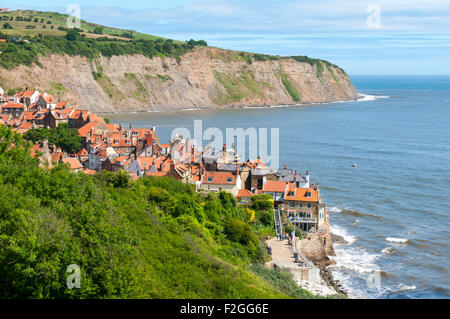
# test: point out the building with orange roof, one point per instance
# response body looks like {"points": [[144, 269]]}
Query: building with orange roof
{"points": [[303, 207], [73, 163], [13, 108], [88, 171], [244, 197], [276, 189], [216, 181]]}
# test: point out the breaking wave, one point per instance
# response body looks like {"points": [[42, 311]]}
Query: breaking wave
{"points": [[343, 233], [367, 97], [397, 240], [401, 287]]}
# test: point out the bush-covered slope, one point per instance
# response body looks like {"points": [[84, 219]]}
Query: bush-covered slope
{"points": [[154, 238]]}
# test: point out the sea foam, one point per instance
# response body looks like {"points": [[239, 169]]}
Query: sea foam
{"points": [[367, 97], [343, 233], [397, 240]]}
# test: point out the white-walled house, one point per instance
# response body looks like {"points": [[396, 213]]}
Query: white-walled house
{"points": [[216, 181]]}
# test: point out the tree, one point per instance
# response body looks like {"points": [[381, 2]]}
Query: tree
{"points": [[98, 30], [6, 25], [62, 136], [72, 35]]}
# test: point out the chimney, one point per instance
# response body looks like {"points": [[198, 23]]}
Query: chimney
{"points": [[237, 171], [224, 147], [307, 178], [285, 166], [154, 128]]}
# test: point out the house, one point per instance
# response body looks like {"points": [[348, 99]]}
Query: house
{"points": [[54, 118], [30, 97], [14, 109], [276, 189], [73, 163], [75, 117], [4, 10], [46, 101], [217, 181], [303, 207], [83, 155], [244, 197], [143, 164]]}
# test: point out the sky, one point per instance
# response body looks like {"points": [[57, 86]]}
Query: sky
{"points": [[364, 37]]}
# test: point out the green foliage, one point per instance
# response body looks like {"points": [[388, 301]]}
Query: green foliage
{"points": [[319, 70], [192, 43], [62, 136], [289, 87], [282, 280], [6, 25], [98, 30], [72, 44], [262, 202], [72, 35]]}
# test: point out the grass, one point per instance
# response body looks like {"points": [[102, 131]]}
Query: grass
{"points": [[319, 70], [163, 78], [289, 87], [141, 92], [60, 20], [57, 89], [238, 87]]}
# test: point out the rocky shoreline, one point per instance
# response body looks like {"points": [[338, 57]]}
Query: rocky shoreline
{"points": [[317, 248]]}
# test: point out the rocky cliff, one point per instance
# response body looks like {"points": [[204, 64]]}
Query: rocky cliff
{"points": [[203, 78]]}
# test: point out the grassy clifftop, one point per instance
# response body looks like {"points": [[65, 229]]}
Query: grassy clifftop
{"points": [[46, 32]]}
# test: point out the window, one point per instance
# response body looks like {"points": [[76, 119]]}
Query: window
{"points": [[301, 204], [291, 214], [229, 179], [209, 179], [260, 182], [308, 215], [291, 204], [308, 205]]}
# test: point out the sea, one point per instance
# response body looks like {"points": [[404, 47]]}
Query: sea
{"points": [[383, 166]]}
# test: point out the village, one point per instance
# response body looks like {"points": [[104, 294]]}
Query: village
{"points": [[138, 151]]}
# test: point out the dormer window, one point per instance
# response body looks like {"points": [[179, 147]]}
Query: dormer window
{"points": [[229, 179], [209, 179]]}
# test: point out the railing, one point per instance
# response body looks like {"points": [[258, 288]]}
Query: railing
{"points": [[305, 220]]}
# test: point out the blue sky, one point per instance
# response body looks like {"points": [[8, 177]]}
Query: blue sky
{"points": [[406, 37]]}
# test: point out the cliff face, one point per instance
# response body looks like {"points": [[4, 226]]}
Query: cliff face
{"points": [[204, 78]]}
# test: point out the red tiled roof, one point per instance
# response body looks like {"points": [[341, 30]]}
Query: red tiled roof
{"points": [[244, 193], [73, 163], [84, 130], [12, 105], [213, 177], [300, 194], [275, 186]]}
